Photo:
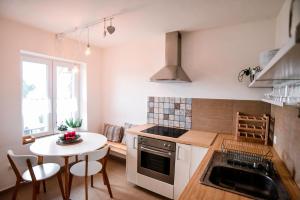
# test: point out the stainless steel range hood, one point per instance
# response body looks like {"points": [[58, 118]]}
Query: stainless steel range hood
{"points": [[172, 71]]}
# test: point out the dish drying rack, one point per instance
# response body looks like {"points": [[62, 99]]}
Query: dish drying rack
{"points": [[250, 153], [252, 128]]}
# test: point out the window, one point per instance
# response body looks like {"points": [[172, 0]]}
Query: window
{"points": [[50, 94]]}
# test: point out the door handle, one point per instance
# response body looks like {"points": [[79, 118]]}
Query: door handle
{"points": [[178, 149], [134, 143], [168, 154]]}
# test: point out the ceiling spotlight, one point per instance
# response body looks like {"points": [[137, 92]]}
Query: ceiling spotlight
{"points": [[88, 48], [111, 29]]}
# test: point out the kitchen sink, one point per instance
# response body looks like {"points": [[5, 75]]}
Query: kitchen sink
{"points": [[243, 179]]}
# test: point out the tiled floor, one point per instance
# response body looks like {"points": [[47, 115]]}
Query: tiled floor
{"points": [[121, 189]]}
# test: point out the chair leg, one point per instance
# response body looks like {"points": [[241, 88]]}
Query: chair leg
{"points": [[70, 183], [104, 180], [34, 191], [86, 187], [107, 183], [38, 187], [60, 183], [44, 186], [16, 190], [92, 181]]}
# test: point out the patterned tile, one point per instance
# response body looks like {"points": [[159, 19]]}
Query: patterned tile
{"points": [[188, 107], [166, 122], [150, 120], [171, 117], [182, 106], [188, 113], [160, 110], [166, 105], [161, 116], [182, 100], [170, 111], [166, 117], [151, 99], [166, 110]]}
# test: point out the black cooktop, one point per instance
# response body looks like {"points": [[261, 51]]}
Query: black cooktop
{"points": [[165, 131]]}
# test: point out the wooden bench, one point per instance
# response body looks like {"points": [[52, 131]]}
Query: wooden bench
{"points": [[117, 149]]}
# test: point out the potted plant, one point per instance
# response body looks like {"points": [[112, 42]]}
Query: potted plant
{"points": [[74, 124], [62, 128]]}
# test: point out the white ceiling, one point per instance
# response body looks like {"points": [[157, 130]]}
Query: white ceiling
{"points": [[136, 19]]}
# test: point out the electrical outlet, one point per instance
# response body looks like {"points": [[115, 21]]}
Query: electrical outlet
{"points": [[275, 139]]}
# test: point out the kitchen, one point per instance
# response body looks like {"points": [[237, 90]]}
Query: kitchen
{"points": [[133, 79]]}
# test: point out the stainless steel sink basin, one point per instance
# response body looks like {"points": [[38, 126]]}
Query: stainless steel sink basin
{"points": [[243, 179]]}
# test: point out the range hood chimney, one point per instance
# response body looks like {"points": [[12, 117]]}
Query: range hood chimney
{"points": [[172, 71]]}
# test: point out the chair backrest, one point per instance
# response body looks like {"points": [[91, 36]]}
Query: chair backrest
{"points": [[19, 162], [95, 155]]}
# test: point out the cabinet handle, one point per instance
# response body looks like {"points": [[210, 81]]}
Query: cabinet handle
{"points": [[134, 142], [178, 149]]}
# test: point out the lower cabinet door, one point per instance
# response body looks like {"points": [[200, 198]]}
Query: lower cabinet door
{"points": [[131, 158], [182, 168], [197, 155]]}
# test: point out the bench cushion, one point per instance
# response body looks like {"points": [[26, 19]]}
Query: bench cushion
{"points": [[113, 133], [126, 126]]}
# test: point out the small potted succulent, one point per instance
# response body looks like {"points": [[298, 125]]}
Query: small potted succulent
{"points": [[62, 128]]}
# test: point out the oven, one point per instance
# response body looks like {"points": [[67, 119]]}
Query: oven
{"points": [[156, 159]]}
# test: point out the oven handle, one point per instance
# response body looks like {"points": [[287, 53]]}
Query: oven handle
{"points": [[162, 153]]}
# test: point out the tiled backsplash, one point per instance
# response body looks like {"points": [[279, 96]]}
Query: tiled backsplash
{"points": [[170, 111]]}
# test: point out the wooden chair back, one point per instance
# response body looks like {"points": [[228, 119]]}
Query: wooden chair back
{"points": [[20, 163], [95, 155]]}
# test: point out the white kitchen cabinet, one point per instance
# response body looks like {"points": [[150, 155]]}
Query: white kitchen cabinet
{"points": [[182, 168], [131, 158], [187, 160], [197, 156]]}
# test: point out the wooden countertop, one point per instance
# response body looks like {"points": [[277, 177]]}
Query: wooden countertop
{"points": [[192, 137], [196, 191]]}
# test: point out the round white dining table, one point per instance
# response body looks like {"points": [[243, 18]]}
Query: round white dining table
{"points": [[47, 146]]}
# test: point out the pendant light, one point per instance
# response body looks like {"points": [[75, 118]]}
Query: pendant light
{"points": [[111, 29], [104, 28], [88, 48]]}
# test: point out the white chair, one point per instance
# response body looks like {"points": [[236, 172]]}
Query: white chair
{"points": [[91, 163], [36, 174]]}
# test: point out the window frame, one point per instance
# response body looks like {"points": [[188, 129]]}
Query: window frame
{"points": [[51, 64]]}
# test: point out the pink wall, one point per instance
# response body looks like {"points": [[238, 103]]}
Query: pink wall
{"points": [[13, 38]]}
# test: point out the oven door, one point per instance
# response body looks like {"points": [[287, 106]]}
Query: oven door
{"points": [[156, 163]]}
